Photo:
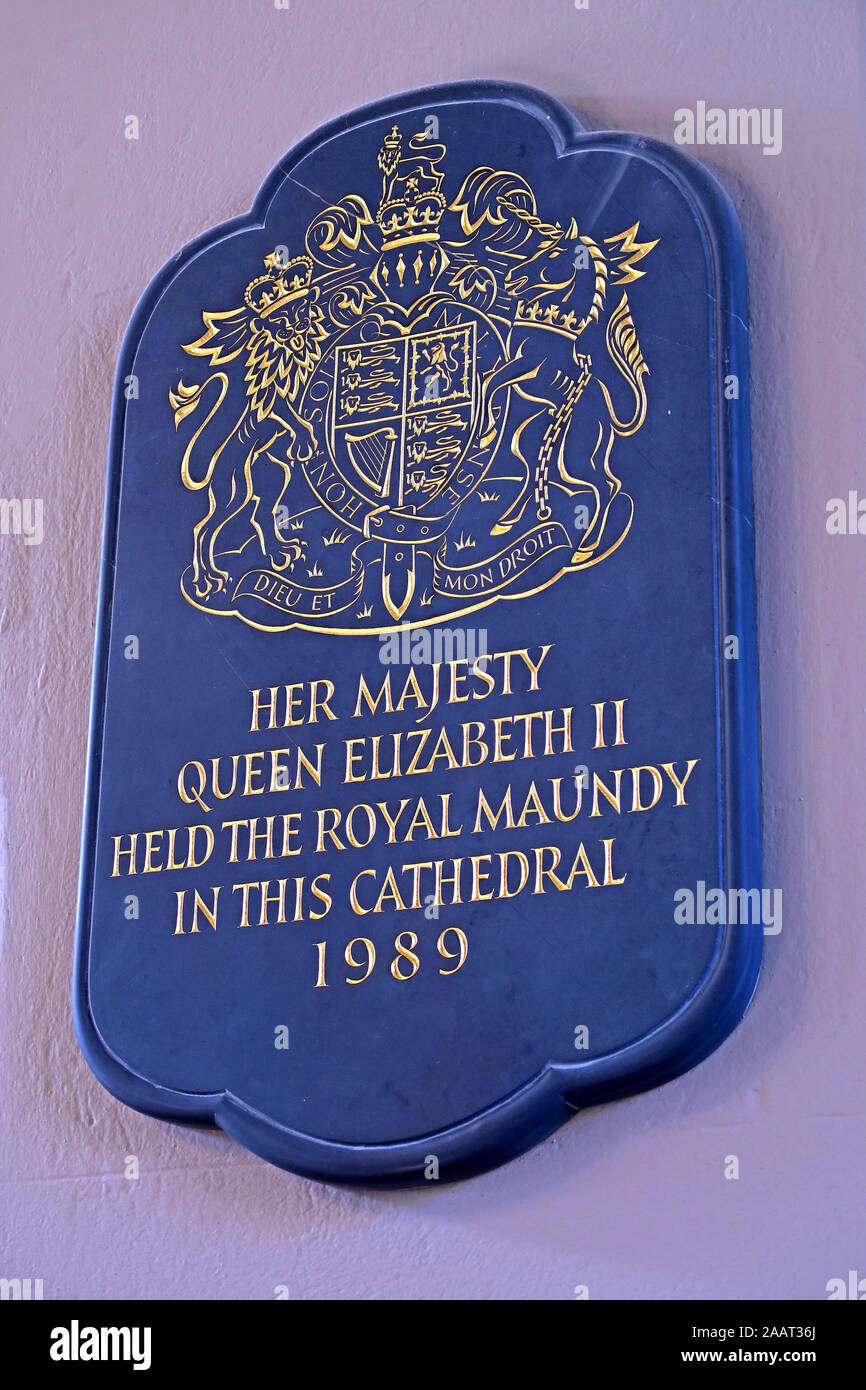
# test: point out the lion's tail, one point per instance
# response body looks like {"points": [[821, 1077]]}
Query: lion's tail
{"points": [[184, 401], [625, 351]]}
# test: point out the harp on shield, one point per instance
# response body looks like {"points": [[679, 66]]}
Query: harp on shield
{"points": [[372, 457]]}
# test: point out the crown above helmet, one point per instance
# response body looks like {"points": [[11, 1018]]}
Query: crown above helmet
{"points": [[412, 201]]}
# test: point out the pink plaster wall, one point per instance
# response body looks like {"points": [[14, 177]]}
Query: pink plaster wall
{"points": [[629, 1199]]}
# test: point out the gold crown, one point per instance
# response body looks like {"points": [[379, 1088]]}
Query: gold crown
{"points": [[412, 202], [283, 283]]}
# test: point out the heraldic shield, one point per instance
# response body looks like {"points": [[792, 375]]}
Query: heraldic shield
{"points": [[425, 740]]}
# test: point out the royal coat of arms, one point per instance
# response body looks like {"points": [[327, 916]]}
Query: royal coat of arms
{"points": [[416, 414]]}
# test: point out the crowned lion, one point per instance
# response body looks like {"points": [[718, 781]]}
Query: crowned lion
{"points": [[280, 329]]}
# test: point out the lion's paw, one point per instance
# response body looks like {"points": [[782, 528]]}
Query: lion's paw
{"points": [[285, 557], [209, 584]]}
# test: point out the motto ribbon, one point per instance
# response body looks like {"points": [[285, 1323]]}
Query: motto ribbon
{"points": [[538, 548]]}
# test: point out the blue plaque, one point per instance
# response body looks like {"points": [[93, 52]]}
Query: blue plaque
{"points": [[423, 783]]}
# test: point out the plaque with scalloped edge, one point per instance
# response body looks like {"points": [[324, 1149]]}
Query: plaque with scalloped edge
{"points": [[423, 793]]}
